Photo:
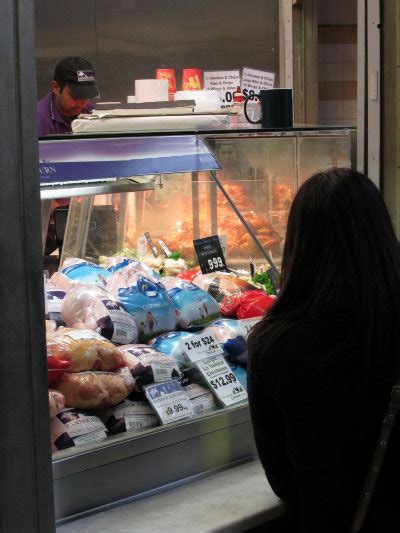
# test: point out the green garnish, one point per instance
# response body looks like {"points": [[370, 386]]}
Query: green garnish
{"points": [[174, 255], [264, 279]]}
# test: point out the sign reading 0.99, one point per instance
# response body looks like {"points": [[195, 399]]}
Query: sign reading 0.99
{"points": [[209, 254]]}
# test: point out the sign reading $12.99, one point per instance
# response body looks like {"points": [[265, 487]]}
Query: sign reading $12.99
{"points": [[222, 379]]}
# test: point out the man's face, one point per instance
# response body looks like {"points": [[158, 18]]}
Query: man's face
{"points": [[68, 106]]}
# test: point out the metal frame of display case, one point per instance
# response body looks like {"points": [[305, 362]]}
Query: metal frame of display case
{"points": [[128, 466]]}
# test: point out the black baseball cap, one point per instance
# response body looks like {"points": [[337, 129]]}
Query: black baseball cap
{"points": [[79, 74]]}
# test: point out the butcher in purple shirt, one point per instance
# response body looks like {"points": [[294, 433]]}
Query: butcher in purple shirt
{"points": [[73, 87]]}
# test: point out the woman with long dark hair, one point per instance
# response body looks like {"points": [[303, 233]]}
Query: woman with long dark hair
{"points": [[323, 360]]}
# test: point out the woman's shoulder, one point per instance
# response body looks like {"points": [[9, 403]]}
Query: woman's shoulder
{"points": [[298, 341]]}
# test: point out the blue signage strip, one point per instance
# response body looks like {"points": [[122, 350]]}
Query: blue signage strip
{"points": [[87, 160]]}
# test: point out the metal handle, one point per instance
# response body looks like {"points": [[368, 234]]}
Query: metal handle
{"points": [[245, 111]]}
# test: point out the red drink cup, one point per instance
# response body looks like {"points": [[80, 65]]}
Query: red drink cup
{"points": [[169, 75], [192, 79]]}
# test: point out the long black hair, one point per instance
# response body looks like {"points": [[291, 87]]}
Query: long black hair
{"points": [[340, 252]]}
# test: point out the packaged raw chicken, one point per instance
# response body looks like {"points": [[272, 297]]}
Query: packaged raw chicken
{"points": [[92, 307], [73, 427], [147, 365], [247, 304], [237, 297], [145, 299], [173, 267], [56, 367], [51, 327], [54, 297], [84, 350], [56, 402], [196, 307], [228, 332], [137, 266], [82, 271], [92, 390], [173, 345], [189, 275], [130, 415]]}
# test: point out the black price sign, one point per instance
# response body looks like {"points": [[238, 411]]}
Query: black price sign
{"points": [[209, 254]]}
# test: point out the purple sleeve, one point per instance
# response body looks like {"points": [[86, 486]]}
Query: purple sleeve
{"points": [[45, 125]]}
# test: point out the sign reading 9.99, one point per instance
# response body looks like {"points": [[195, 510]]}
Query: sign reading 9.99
{"points": [[209, 254]]}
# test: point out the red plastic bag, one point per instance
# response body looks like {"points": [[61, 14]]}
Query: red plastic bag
{"points": [[55, 368], [189, 275], [254, 304]]}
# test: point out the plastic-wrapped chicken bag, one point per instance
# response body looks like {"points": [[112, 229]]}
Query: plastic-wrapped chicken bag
{"points": [[56, 403], [55, 296], [73, 427], [147, 365], [190, 275], [130, 415], [136, 265], [84, 350], [172, 345], [196, 307], [237, 297], [92, 390], [228, 332], [91, 307], [82, 271], [145, 299]]}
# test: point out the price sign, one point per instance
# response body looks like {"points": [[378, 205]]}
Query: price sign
{"points": [[225, 82], [222, 380], [209, 254], [247, 324], [255, 80], [197, 347], [169, 401]]}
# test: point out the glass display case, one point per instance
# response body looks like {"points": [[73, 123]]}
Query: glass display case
{"points": [[240, 187]]}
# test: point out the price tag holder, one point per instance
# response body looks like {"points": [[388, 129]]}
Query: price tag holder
{"points": [[275, 279], [153, 247], [247, 324], [164, 247], [198, 347], [222, 380], [209, 254], [169, 401]]}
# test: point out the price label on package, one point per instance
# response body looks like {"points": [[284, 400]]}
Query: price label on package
{"points": [[255, 80], [222, 380], [225, 82], [247, 324], [198, 347], [209, 254], [169, 401]]}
